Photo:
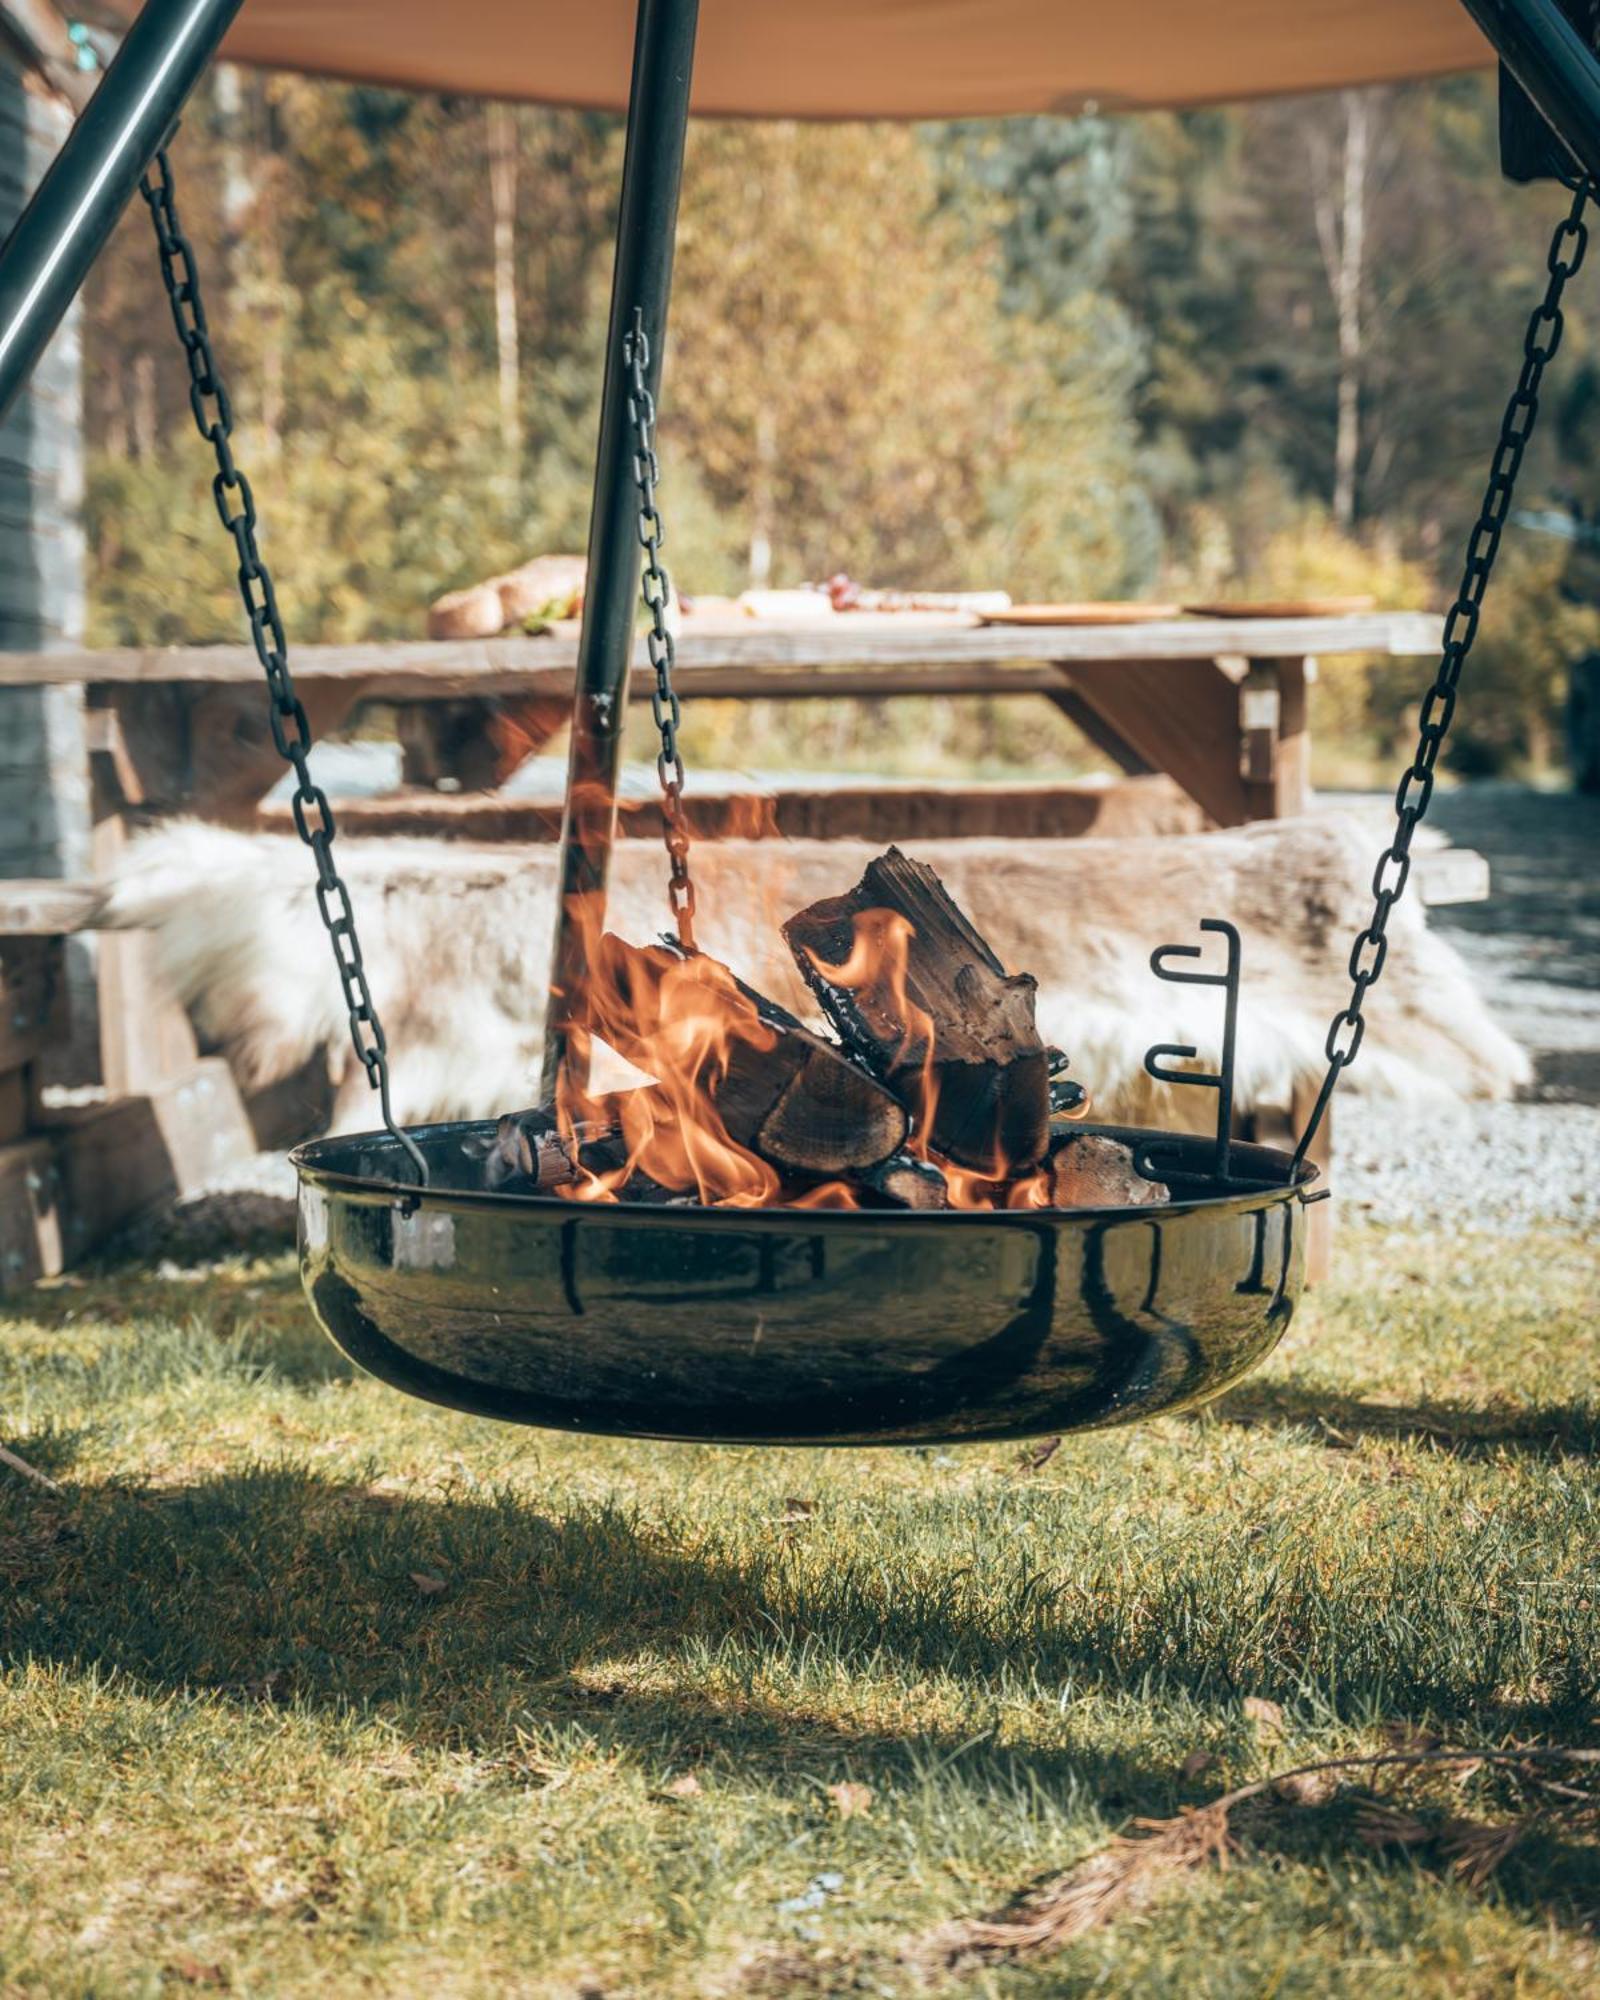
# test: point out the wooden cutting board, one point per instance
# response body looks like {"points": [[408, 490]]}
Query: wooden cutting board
{"points": [[1283, 607], [1081, 614]]}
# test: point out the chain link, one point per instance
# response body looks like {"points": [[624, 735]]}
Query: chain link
{"points": [[291, 733], [1438, 708], [657, 588]]}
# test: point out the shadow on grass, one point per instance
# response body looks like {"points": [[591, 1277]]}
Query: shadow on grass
{"points": [[1464, 1430], [439, 1609], [475, 1624]]}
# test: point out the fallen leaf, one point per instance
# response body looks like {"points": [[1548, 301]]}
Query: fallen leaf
{"points": [[850, 1798], [1266, 1715], [1306, 1788], [1039, 1455], [430, 1586], [193, 1973], [1196, 1762]]}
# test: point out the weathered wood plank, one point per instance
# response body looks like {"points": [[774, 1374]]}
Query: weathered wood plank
{"points": [[1092, 725], [1446, 875], [144, 1034], [15, 1098], [1275, 737], [1292, 770], [427, 667], [46, 909], [91, 1169], [115, 1160], [186, 748], [881, 812], [32, 997], [32, 1239]]}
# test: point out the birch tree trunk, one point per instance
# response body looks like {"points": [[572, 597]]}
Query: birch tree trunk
{"points": [[1341, 217], [503, 197]]}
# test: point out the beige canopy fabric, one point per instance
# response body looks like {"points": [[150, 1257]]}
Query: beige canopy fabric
{"points": [[873, 58]]}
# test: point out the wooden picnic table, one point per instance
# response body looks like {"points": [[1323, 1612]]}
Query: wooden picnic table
{"points": [[1219, 705]]}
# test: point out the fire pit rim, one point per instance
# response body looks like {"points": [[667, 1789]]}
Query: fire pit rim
{"points": [[311, 1162]]}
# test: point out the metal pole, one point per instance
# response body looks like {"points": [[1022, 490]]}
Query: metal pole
{"points": [[658, 116], [1554, 65], [61, 231]]}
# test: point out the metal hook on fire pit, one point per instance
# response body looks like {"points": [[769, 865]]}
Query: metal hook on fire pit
{"points": [[1221, 1080]]}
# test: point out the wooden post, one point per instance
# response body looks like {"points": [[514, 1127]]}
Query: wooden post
{"points": [[1275, 747]]}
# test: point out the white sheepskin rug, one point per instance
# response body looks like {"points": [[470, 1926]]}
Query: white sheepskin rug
{"points": [[457, 947]]}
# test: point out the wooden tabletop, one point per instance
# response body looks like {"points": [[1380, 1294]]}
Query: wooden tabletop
{"points": [[849, 651]]}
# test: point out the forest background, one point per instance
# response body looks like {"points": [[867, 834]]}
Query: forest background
{"points": [[1254, 350]]}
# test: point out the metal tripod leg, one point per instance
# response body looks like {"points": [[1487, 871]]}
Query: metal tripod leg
{"points": [[91, 180], [658, 115]]}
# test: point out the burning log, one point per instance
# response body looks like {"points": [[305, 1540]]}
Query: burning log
{"points": [[1087, 1170], [714, 1044], [943, 1096], [528, 1154], [907, 1182], [918, 995]]}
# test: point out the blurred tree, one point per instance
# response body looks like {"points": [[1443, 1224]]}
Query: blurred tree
{"points": [[1071, 356]]}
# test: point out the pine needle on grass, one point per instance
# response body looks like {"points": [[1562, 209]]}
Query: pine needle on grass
{"points": [[1136, 1866], [1121, 1877]]}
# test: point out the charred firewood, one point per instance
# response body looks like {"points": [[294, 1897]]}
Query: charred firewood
{"points": [[524, 1155], [528, 1155], [907, 1182], [780, 1091], [1088, 1170], [916, 992]]}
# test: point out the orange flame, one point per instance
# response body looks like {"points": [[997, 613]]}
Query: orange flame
{"points": [[686, 1023], [878, 971], [683, 1021]]}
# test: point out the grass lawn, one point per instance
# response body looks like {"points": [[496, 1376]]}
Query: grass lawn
{"points": [[307, 1689]]}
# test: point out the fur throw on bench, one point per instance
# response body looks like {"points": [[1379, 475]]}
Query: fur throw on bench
{"points": [[457, 945]]}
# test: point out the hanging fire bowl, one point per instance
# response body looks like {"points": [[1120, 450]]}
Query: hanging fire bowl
{"points": [[789, 1326]]}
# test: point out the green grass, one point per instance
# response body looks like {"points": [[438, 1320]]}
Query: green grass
{"points": [[241, 1745]]}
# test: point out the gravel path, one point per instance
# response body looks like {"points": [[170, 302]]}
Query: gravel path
{"points": [[1534, 948]]}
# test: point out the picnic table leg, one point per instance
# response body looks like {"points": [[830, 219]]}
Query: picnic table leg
{"points": [[1178, 716], [474, 743], [1275, 745], [1089, 722]]}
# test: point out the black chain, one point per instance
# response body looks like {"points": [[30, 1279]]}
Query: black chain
{"points": [[236, 507], [657, 587], [1438, 708]]}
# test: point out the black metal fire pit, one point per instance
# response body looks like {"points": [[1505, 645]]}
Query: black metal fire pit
{"points": [[787, 1326]]}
